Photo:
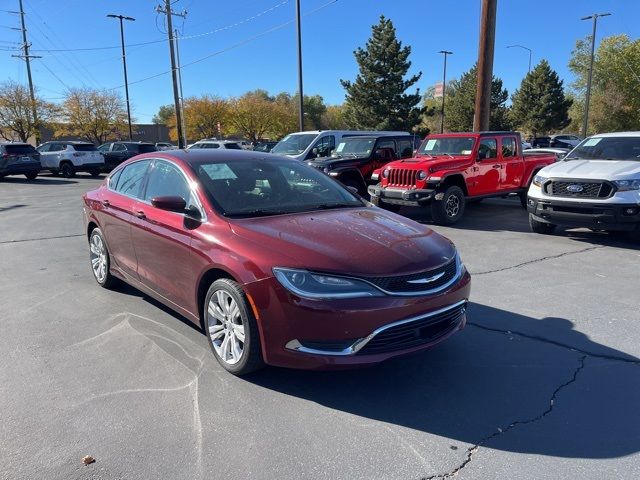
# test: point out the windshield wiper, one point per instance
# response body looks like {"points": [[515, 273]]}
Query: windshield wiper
{"points": [[328, 206], [257, 212]]}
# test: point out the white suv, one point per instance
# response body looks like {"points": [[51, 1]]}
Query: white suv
{"points": [[597, 186], [68, 158], [215, 144]]}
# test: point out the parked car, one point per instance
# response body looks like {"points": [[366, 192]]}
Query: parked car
{"points": [[213, 144], [540, 142], [70, 157], [274, 260], [564, 141], [117, 152], [165, 146], [264, 146], [526, 145], [19, 159], [452, 168], [597, 186], [318, 143], [560, 153], [355, 158], [246, 145]]}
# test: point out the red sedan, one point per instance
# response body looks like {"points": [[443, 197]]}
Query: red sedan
{"points": [[276, 261]]}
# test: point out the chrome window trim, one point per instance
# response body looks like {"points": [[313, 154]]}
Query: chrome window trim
{"points": [[360, 343]]}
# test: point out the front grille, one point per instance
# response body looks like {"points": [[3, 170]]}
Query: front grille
{"points": [[400, 284], [402, 177], [416, 333], [597, 189]]}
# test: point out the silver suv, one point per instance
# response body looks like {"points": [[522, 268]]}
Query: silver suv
{"points": [[69, 157], [597, 186]]}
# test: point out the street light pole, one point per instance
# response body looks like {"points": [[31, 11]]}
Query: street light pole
{"points": [[301, 99], [525, 48], [595, 16], [444, 87], [124, 65]]}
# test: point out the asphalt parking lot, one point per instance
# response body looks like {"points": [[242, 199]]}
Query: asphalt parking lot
{"points": [[543, 383]]}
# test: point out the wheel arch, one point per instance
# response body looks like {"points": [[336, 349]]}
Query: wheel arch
{"points": [[455, 179]]}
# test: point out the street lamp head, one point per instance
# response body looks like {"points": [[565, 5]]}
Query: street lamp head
{"points": [[446, 52], [596, 15], [121, 17]]}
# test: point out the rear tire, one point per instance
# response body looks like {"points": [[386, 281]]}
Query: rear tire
{"points": [[67, 170], [55, 173], [231, 328], [450, 208], [31, 176], [95, 173], [100, 259], [541, 227]]}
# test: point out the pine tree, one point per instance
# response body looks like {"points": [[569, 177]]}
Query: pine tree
{"points": [[539, 105], [461, 103], [376, 100]]}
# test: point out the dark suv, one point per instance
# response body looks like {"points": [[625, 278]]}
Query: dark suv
{"points": [[355, 158], [117, 152], [19, 159]]}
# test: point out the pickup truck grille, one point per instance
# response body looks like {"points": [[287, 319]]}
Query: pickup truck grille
{"points": [[596, 189], [412, 283], [416, 333], [402, 177]]}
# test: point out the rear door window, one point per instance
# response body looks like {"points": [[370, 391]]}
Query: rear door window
{"points": [[84, 147], [508, 147], [119, 147], [233, 146], [132, 179]]}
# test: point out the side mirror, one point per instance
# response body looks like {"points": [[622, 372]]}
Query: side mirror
{"points": [[314, 151], [171, 203]]}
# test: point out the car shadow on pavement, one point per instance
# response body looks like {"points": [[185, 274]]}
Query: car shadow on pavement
{"points": [[507, 382], [38, 181], [12, 207]]}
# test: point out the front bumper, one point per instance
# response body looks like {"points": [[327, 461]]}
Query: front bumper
{"points": [[400, 196], [606, 216], [342, 333]]}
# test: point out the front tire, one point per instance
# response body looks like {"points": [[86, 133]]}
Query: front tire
{"points": [[541, 227], [31, 176], [450, 208], [231, 328], [67, 170], [100, 259]]}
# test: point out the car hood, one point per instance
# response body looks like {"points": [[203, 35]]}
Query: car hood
{"points": [[433, 163], [594, 169], [355, 241]]}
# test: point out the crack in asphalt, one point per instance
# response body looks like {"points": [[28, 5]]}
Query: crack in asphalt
{"points": [[472, 450], [38, 239], [557, 344], [542, 259]]}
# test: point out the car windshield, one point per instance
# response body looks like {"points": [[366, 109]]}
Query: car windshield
{"points": [[447, 146], [354, 146], [294, 144], [251, 187], [607, 148], [84, 147]]}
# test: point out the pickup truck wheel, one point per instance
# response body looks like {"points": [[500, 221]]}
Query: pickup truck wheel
{"points": [[95, 173], [541, 227], [67, 170], [450, 208]]}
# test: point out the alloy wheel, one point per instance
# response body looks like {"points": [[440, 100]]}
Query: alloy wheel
{"points": [[98, 255], [453, 205], [226, 327]]}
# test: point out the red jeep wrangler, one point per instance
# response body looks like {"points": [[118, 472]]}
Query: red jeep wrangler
{"points": [[451, 168]]}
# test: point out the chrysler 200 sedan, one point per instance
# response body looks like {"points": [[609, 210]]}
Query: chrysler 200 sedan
{"points": [[274, 260]]}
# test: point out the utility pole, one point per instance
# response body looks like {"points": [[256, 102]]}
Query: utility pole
{"points": [[485, 65], [124, 64], [301, 99], [174, 74], [444, 87], [525, 48], [184, 126], [595, 16], [27, 58]]}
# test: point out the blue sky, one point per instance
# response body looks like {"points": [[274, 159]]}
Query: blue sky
{"points": [[330, 34]]}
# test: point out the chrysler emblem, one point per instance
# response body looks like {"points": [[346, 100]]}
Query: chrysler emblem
{"points": [[574, 188], [426, 279]]}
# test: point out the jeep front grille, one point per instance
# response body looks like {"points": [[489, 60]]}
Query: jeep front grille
{"points": [[402, 177]]}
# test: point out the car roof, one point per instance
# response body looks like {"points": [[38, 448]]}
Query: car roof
{"points": [[14, 143], [617, 134], [197, 156]]}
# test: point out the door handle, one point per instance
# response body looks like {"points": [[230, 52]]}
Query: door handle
{"points": [[106, 203], [497, 166], [140, 214]]}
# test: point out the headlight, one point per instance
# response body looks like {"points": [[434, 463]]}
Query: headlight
{"points": [[314, 285], [385, 173], [325, 169], [421, 175], [626, 185], [538, 180]]}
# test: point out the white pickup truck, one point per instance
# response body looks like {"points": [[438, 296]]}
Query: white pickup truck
{"points": [[69, 157], [597, 185]]}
